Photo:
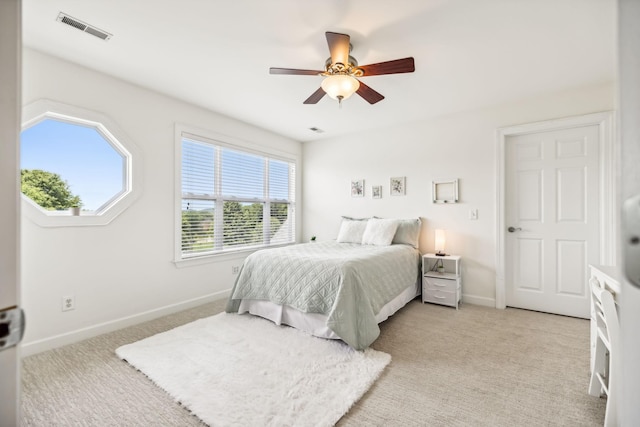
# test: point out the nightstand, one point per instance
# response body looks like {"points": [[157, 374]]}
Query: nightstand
{"points": [[445, 286]]}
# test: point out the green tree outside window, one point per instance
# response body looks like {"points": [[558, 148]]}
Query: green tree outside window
{"points": [[48, 190]]}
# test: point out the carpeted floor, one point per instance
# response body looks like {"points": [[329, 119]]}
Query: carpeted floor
{"points": [[473, 367]]}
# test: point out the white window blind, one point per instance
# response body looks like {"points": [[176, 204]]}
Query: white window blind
{"points": [[234, 199]]}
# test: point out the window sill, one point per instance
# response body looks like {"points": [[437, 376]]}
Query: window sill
{"points": [[222, 256], [63, 219]]}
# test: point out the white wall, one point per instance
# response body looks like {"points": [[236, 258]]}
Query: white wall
{"points": [[461, 146], [123, 272]]}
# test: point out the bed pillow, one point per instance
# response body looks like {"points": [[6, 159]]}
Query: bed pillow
{"points": [[351, 230], [355, 219], [379, 232], [408, 232]]}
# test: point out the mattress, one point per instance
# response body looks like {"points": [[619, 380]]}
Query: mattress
{"points": [[316, 323]]}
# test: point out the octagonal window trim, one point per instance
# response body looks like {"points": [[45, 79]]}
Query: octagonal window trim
{"points": [[42, 110]]}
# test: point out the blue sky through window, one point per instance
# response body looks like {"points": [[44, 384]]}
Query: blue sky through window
{"points": [[91, 166]]}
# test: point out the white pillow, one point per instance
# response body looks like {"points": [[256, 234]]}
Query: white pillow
{"points": [[379, 232], [351, 230], [408, 232]]}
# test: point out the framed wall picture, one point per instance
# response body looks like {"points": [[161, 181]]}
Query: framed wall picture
{"points": [[376, 192], [357, 188], [445, 191], [397, 186]]}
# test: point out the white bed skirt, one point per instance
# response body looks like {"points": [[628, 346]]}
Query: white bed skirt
{"points": [[315, 323]]}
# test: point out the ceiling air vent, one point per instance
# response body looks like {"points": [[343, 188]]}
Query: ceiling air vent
{"points": [[83, 26]]}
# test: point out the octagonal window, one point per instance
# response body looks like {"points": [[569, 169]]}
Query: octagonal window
{"points": [[74, 169], [65, 165]]}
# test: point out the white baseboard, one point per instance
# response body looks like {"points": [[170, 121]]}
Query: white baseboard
{"points": [[34, 347], [476, 300]]}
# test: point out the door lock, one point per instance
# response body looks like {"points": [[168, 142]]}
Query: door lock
{"points": [[11, 327]]}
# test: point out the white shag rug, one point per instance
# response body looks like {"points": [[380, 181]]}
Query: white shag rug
{"points": [[233, 370]]}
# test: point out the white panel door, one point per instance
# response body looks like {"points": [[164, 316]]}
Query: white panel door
{"points": [[10, 47], [552, 215]]}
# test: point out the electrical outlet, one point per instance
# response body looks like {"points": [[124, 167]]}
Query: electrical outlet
{"points": [[473, 214], [68, 303], [235, 269]]}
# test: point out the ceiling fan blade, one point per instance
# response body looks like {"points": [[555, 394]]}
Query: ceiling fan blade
{"points": [[397, 66], [315, 97], [339, 47], [369, 95], [274, 70]]}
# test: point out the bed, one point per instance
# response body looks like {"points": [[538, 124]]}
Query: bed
{"points": [[338, 289]]}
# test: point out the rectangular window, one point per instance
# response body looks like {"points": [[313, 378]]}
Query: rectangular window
{"points": [[233, 198]]}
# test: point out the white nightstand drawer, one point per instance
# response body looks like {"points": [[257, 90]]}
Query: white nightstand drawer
{"points": [[436, 283], [440, 297]]}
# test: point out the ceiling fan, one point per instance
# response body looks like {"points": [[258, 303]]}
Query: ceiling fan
{"points": [[341, 70]]}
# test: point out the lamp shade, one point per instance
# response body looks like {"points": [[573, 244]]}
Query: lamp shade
{"points": [[440, 241], [340, 86]]}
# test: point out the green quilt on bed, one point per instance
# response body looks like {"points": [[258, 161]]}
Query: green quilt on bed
{"points": [[347, 282]]}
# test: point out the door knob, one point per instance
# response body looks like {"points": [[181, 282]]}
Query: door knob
{"points": [[631, 239], [512, 229]]}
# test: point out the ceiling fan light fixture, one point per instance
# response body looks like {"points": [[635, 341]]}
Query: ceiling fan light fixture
{"points": [[341, 71], [340, 86]]}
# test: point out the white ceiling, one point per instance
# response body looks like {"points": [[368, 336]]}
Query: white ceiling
{"points": [[216, 54]]}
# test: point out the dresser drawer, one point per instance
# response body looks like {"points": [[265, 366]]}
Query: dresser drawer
{"points": [[440, 297], [436, 283]]}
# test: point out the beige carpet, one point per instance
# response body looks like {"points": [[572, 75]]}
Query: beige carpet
{"points": [[473, 367]]}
